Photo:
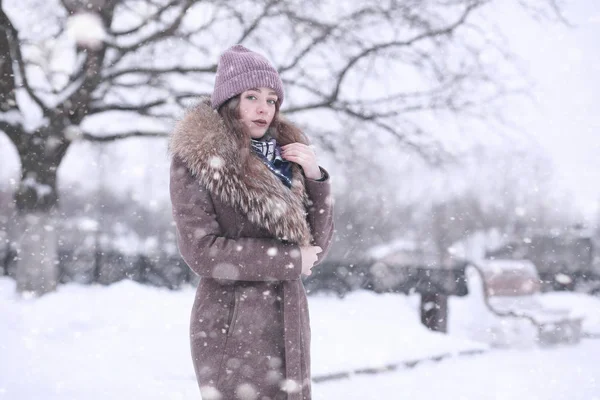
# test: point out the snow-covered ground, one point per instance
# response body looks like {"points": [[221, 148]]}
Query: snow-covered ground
{"points": [[131, 341], [565, 373]]}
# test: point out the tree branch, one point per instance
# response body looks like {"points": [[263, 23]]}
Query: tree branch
{"points": [[318, 40], [141, 108], [539, 12], [124, 135], [326, 31], [76, 105], [154, 17], [257, 21], [160, 71], [373, 49], [434, 157], [7, 82], [12, 36], [12, 131], [161, 34]]}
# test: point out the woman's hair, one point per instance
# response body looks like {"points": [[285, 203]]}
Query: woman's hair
{"points": [[230, 113], [283, 132]]}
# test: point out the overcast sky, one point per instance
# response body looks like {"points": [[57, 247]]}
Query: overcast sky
{"points": [[565, 63]]}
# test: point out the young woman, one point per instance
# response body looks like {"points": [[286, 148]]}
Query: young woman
{"points": [[253, 213]]}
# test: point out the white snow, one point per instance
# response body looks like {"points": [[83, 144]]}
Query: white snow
{"points": [[366, 330], [578, 304], [383, 250], [131, 341], [13, 117], [41, 188], [475, 245], [501, 265], [216, 162], [563, 373], [32, 116], [72, 132], [87, 29]]}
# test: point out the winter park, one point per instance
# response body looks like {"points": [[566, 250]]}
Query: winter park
{"points": [[260, 200]]}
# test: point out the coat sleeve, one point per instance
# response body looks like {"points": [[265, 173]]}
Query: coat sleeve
{"points": [[209, 253], [320, 213]]}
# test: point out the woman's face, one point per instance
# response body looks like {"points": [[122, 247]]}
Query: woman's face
{"points": [[257, 110]]}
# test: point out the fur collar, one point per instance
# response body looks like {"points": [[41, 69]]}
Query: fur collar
{"points": [[225, 165]]}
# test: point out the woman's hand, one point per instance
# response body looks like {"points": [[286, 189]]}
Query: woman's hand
{"points": [[309, 257], [304, 156]]}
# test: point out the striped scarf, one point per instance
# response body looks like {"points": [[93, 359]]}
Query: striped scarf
{"points": [[270, 154]]}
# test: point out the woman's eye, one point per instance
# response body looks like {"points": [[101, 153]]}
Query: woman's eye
{"points": [[271, 101], [251, 97]]}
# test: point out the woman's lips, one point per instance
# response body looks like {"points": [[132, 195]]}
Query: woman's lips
{"points": [[260, 122]]}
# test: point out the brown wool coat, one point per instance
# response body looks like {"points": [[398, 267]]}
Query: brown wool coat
{"points": [[239, 228]]}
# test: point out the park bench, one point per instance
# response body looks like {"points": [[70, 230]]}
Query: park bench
{"points": [[512, 289]]}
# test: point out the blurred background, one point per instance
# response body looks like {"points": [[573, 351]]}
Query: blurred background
{"points": [[461, 137]]}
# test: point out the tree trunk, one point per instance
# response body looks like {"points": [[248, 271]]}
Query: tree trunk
{"points": [[37, 262], [35, 233]]}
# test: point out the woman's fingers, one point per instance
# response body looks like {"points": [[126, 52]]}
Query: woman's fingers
{"points": [[298, 147], [297, 154], [304, 156]]}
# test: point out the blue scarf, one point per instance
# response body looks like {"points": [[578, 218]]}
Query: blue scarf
{"points": [[270, 154]]}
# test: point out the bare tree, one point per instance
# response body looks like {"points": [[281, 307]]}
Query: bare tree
{"points": [[148, 57], [510, 191]]}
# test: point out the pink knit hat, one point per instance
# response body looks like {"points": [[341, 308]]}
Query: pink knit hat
{"points": [[240, 69]]}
